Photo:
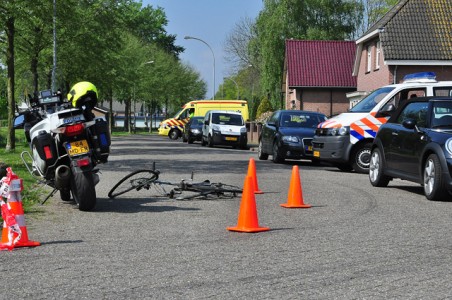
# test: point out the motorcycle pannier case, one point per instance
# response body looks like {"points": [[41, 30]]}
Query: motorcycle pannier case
{"points": [[100, 136], [45, 146]]}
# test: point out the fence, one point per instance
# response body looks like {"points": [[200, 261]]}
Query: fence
{"points": [[254, 130]]}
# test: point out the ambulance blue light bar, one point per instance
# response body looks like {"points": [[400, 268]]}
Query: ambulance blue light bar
{"points": [[420, 77]]}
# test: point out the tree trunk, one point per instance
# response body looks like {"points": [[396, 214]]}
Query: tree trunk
{"points": [[11, 137]]}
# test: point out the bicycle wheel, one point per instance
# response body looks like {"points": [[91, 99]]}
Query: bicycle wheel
{"points": [[226, 190], [134, 181]]}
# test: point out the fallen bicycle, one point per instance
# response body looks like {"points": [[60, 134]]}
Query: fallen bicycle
{"points": [[183, 190]]}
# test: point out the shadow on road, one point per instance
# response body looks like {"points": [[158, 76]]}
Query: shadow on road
{"points": [[128, 205]]}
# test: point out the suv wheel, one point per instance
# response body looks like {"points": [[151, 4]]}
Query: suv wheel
{"points": [[376, 166]]}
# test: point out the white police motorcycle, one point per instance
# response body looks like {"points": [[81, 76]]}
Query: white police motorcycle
{"points": [[66, 144]]}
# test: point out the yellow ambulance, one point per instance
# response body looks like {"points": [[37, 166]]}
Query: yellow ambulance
{"points": [[174, 127]]}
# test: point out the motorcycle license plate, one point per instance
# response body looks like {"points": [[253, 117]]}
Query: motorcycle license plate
{"points": [[316, 154], [77, 148]]}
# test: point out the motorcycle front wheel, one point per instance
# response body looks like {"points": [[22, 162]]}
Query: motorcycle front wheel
{"points": [[83, 190]]}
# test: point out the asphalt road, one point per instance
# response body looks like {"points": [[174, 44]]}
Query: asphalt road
{"points": [[356, 242]]}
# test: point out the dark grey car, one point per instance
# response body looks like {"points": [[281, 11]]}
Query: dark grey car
{"points": [[288, 135]]}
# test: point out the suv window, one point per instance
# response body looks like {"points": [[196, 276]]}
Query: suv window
{"points": [[416, 111]]}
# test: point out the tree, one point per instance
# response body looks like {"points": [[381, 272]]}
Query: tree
{"points": [[307, 19], [373, 10]]}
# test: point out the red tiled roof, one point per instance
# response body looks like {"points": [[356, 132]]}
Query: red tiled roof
{"points": [[320, 63]]}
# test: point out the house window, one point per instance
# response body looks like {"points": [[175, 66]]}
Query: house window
{"points": [[377, 56], [369, 58]]}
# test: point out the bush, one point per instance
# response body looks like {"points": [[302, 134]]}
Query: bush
{"points": [[264, 106]]}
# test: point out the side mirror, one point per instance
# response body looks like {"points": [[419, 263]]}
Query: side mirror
{"points": [[387, 112], [271, 123], [409, 124], [19, 122], [206, 122]]}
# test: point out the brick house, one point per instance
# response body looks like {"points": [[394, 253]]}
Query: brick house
{"points": [[414, 36], [318, 75]]}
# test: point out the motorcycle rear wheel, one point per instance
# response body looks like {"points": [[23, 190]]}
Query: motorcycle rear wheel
{"points": [[65, 194], [83, 190]]}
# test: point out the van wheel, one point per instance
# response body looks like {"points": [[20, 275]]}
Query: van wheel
{"points": [[203, 141], [174, 134], [210, 141], [361, 158]]}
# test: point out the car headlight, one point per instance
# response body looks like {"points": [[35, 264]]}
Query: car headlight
{"points": [[290, 139], [242, 130], [215, 127], [449, 146], [337, 131], [195, 131]]}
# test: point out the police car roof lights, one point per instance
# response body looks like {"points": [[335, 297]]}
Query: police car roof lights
{"points": [[420, 77]]}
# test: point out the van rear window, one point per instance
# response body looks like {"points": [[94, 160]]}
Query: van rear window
{"points": [[227, 119]]}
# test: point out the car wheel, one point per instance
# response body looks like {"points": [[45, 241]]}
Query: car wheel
{"points": [[376, 166], [184, 138], [278, 157], [361, 158], [260, 154], [190, 140], [203, 141], [174, 134], [433, 179], [210, 140]]}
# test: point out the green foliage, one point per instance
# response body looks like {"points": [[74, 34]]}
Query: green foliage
{"points": [[264, 106], [102, 41], [308, 19]]}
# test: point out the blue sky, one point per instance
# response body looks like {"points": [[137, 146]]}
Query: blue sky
{"points": [[211, 21]]}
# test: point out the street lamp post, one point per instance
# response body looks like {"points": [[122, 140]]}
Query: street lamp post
{"points": [[194, 38]]}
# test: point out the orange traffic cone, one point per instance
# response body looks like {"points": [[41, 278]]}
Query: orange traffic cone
{"points": [[15, 205], [252, 173], [247, 221], [295, 197]]}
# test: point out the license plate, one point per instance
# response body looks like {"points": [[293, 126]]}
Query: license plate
{"points": [[77, 148], [231, 138], [316, 154]]}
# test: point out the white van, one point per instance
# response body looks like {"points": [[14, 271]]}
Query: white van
{"points": [[224, 127], [346, 139]]}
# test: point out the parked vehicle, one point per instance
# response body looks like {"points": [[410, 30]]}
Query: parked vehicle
{"points": [[416, 145], [288, 135], [193, 130], [222, 127], [174, 127], [346, 139], [66, 143]]}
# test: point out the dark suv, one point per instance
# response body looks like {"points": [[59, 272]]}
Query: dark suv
{"points": [[416, 145]]}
